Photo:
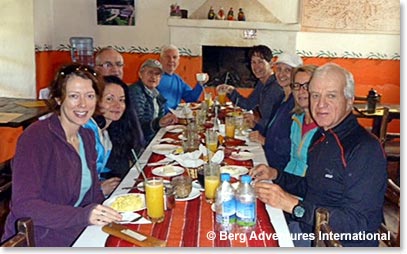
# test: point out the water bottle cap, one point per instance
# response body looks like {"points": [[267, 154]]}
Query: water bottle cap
{"points": [[225, 177], [246, 179]]}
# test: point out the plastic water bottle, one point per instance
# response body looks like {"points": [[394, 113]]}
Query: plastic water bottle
{"points": [[225, 205], [246, 212]]}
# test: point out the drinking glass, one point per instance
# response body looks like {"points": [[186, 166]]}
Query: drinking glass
{"points": [[211, 140], [230, 126], [212, 181], [154, 188], [239, 123], [222, 97]]}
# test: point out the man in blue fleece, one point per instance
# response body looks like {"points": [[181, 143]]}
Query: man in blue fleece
{"points": [[172, 87], [347, 169]]}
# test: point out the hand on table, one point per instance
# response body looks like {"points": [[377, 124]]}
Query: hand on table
{"points": [[273, 195], [249, 120], [103, 215], [168, 119], [109, 185], [255, 136], [263, 172]]}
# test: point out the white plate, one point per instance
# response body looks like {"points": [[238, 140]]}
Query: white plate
{"points": [[234, 171], [170, 171], [181, 137], [140, 185], [175, 128], [110, 201], [242, 156], [194, 194], [164, 149]]}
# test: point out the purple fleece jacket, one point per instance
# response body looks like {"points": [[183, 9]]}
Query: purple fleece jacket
{"points": [[46, 183]]}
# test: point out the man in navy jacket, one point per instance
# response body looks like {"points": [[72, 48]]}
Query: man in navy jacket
{"points": [[347, 168]]}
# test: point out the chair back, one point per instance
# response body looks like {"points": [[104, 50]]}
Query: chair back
{"points": [[323, 230], [392, 196], [24, 236]]}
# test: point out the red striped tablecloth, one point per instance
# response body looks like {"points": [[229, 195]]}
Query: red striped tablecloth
{"points": [[191, 224]]}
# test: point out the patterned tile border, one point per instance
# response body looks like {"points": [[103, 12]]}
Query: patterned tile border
{"points": [[188, 52]]}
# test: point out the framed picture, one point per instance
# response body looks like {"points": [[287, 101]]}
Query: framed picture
{"points": [[116, 12]]}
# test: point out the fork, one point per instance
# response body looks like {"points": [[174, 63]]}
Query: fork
{"points": [[134, 220]]}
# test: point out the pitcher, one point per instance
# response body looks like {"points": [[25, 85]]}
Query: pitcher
{"points": [[82, 50]]}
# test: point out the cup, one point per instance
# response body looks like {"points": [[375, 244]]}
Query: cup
{"points": [[208, 99], [201, 177], [211, 181], [230, 126], [222, 97], [211, 139], [239, 124], [191, 143], [201, 77], [169, 197], [154, 188], [182, 185]]}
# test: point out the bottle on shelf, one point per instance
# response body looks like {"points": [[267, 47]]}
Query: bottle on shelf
{"points": [[221, 14], [225, 205], [230, 14], [246, 212], [211, 13], [240, 15]]}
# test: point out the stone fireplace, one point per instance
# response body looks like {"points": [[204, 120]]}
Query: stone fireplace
{"points": [[229, 65], [224, 44]]}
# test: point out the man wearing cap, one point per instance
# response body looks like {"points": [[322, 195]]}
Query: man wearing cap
{"points": [[172, 86], [149, 103], [276, 141], [267, 94]]}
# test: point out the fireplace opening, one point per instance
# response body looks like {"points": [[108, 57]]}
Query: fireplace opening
{"points": [[230, 65]]}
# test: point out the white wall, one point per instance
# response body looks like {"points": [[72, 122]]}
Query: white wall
{"points": [[17, 55]]}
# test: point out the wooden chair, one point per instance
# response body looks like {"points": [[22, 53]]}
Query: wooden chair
{"points": [[5, 192], [322, 227], [24, 236], [392, 198], [390, 141]]}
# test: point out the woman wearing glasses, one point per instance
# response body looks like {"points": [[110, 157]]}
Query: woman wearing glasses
{"points": [[303, 126], [54, 169]]}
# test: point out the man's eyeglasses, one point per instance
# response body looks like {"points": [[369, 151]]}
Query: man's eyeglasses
{"points": [[296, 86], [109, 65]]}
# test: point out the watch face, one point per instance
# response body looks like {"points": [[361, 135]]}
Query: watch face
{"points": [[299, 211]]}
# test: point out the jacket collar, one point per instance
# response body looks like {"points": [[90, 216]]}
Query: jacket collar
{"points": [[345, 126]]}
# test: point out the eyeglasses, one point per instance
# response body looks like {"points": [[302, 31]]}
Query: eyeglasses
{"points": [[296, 86], [77, 68], [109, 65]]}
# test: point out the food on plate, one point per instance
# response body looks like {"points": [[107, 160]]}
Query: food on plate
{"points": [[230, 170], [168, 170], [128, 203]]}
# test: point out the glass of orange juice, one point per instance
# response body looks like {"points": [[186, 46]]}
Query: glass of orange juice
{"points": [[211, 139], [222, 97], [230, 126], [154, 188], [212, 181]]}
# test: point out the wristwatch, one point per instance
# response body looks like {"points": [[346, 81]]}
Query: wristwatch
{"points": [[298, 211]]}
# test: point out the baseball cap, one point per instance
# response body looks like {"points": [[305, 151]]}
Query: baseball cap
{"points": [[292, 60], [152, 63]]}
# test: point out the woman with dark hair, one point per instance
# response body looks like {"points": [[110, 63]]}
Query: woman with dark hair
{"points": [[125, 134], [54, 167], [110, 108]]}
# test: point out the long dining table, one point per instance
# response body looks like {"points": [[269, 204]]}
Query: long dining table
{"points": [[191, 223]]}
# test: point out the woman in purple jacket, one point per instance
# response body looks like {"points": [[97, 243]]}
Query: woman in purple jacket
{"points": [[55, 180]]}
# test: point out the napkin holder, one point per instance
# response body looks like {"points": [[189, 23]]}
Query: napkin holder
{"points": [[133, 236]]}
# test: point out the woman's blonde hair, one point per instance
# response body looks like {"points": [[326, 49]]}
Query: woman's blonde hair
{"points": [[304, 68]]}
